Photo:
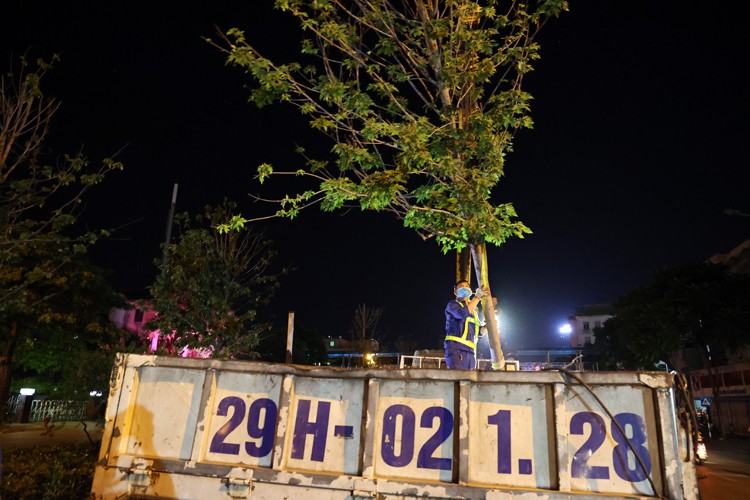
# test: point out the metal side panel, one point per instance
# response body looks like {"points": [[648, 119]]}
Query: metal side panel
{"points": [[189, 428], [594, 454]]}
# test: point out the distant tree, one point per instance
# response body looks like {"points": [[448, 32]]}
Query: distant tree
{"points": [[364, 327], [421, 100], [40, 200], [210, 288], [406, 344], [66, 347], [308, 348], [697, 305]]}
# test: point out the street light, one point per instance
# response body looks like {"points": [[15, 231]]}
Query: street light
{"points": [[566, 329]]}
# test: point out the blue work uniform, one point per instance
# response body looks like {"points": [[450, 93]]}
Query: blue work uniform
{"points": [[461, 329]]}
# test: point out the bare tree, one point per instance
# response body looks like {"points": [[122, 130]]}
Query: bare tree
{"points": [[365, 326], [39, 203]]}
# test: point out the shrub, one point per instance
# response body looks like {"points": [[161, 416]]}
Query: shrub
{"points": [[48, 472]]}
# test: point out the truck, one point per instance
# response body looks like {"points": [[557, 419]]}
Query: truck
{"points": [[205, 428]]}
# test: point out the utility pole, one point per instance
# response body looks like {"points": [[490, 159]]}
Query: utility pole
{"points": [[168, 235], [289, 337]]}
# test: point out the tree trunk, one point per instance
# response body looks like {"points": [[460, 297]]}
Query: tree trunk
{"points": [[463, 265], [479, 255], [6, 363], [713, 372]]}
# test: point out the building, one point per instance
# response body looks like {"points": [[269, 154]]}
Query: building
{"points": [[338, 345], [348, 353], [732, 380], [134, 319], [585, 320]]}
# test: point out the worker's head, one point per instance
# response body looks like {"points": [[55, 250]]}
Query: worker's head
{"points": [[462, 289]]}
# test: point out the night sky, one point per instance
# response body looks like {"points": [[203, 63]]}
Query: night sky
{"points": [[639, 145]]}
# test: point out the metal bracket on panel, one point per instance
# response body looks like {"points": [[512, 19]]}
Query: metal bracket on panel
{"points": [[362, 495], [140, 478], [238, 488]]}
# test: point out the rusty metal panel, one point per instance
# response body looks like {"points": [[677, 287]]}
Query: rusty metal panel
{"points": [[510, 441], [595, 455], [414, 426], [241, 421], [178, 428], [324, 426], [162, 420]]}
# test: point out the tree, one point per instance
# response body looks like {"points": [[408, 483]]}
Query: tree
{"points": [[421, 100], [364, 327], [211, 285], [406, 345], [67, 347], [40, 200], [308, 349], [703, 305]]}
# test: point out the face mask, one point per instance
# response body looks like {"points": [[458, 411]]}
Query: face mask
{"points": [[463, 292]]}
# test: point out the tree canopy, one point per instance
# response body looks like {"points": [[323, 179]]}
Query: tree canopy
{"points": [[211, 285], [420, 99], [695, 305], [40, 201], [66, 348]]}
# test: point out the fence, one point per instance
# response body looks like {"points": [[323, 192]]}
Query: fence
{"points": [[12, 406], [57, 410], [439, 362]]}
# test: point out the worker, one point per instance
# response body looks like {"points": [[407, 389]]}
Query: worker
{"points": [[462, 326]]}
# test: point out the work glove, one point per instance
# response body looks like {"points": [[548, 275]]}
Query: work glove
{"points": [[480, 292]]}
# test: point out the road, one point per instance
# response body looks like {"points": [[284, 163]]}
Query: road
{"points": [[726, 474], [27, 435]]}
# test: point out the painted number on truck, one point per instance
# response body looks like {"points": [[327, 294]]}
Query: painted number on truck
{"points": [[624, 462], [400, 443], [261, 421], [504, 459], [399, 425]]}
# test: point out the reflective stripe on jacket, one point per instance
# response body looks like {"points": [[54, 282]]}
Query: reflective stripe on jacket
{"points": [[465, 338]]}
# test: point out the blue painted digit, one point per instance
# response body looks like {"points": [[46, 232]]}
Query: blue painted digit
{"points": [[217, 443], [263, 432], [425, 460], [580, 466], [502, 420], [408, 425], [622, 450]]}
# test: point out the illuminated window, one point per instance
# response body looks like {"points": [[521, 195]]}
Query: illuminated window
{"points": [[332, 343]]}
